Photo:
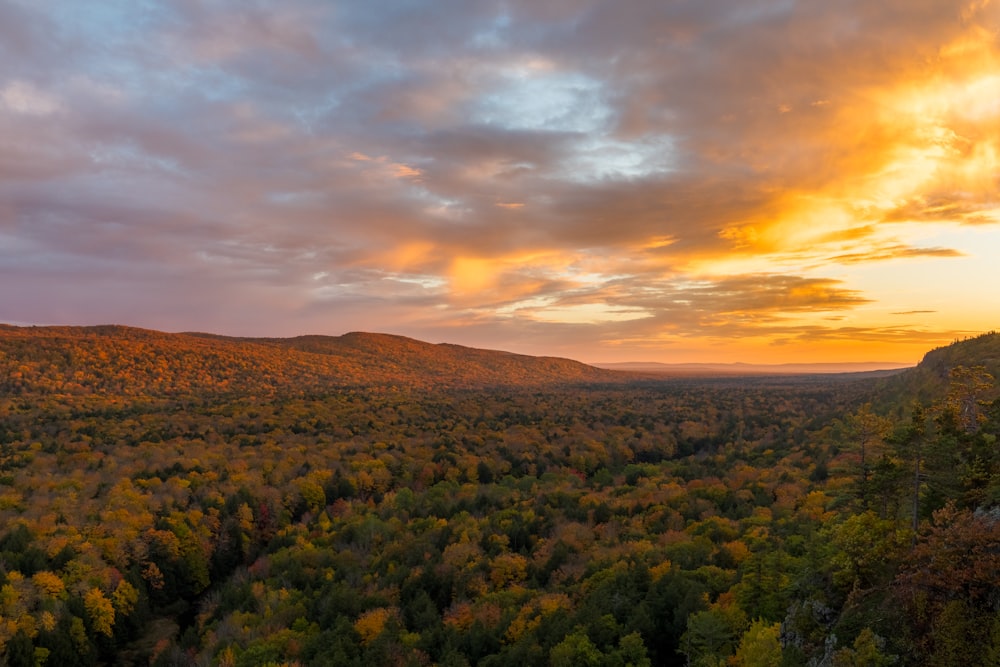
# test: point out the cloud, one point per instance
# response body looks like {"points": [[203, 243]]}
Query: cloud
{"points": [[953, 207], [563, 172], [242, 36], [894, 252], [25, 98]]}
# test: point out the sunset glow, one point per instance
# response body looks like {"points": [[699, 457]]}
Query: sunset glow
{"points": [[762, 182]]}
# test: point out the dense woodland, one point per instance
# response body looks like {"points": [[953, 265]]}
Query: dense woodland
{"points": [[370, 500]]}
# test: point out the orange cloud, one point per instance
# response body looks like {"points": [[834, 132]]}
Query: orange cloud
{"points": [[473, 275]]}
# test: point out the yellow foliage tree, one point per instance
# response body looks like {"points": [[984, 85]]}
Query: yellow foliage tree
{"points": [[245, 516], [49, 584], [508, 568], [48, 621], [759, 646], [101, 611], [227, 657], [371, 623], [124, 598]]}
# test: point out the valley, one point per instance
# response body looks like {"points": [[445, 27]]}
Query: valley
{"points": [[176, 499]]}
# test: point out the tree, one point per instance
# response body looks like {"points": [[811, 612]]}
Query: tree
{"points": [[632, 651], [575, 649], [124, 598], [759, 646], [867, 651], [507, 569], [967, 391], [956, 559], [100, 610], [911, 445], [887, 481], [868, 430], [371, 623], [49, 584], [20, 651], [866, 549], [708, 640]]}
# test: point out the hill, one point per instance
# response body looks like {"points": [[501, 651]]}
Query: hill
{"points": [[131, 361], [928, 380]]}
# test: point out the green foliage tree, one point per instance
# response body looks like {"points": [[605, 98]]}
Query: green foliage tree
{"points": [[20, 651], [968, 390], [709, 639], [911, 443], [867, 651], [759, 646], [867, 431], [575, 649]]}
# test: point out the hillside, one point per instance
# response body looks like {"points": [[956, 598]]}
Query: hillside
{"points": [[414, 361], [928, 380], [130, 361]]}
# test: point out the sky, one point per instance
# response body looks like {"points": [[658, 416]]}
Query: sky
{"points": [[762, 181]]}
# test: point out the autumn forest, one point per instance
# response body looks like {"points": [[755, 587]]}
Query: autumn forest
{"points": [[187, 499]]}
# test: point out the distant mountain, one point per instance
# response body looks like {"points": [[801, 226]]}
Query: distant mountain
{"points": [[117, 359], [741, 369]]}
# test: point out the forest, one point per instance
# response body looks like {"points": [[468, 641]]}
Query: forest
{"points": [[170, 499]]}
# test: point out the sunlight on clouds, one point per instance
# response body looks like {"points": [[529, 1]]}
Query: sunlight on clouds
{"points": [[735, 262], [658, 242], [715, 181], [471, 275], [911, 168], [804, 219], [486, 171], [26, 98], [525, 305], [950, 129], [400, 170], [404, 257], [936, 158], [587, 313], [384, 166], [480, 278], [815, 266], [427, 282]]}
